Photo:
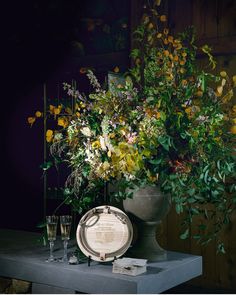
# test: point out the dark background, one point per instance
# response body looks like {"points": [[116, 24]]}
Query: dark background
{"points": [[42, 44]]}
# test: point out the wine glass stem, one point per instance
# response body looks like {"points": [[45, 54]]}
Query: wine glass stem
{"points": [[51, 243], [65, 258]]}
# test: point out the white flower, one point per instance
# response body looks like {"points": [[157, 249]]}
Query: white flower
{"points": [[58, 136], [86, 131], [102, 143]]}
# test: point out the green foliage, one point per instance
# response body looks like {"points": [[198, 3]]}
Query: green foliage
{"points": [[170, 124]]}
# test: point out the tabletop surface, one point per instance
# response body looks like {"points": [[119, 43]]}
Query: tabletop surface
{"points": [[23, 257]]}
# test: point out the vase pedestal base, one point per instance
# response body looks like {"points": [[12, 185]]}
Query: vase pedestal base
{"points": [[146, 245]]}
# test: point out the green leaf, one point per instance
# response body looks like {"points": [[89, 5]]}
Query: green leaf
{"points": [[184, 235], [179, 208], [46, 165], [202, 226], [221, 248], [191, 191], [155, 161]]}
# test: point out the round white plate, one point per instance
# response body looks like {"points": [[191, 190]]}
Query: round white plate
{"points": [[104, 233]]}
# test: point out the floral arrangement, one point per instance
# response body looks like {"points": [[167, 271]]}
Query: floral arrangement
{"points": [[169, 124]]}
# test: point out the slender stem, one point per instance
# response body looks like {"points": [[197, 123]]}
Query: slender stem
{"points": [[44, 150], [65, 258], [51, 243]]}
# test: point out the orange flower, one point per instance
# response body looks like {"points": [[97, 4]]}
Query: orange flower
{"points": [[31, 120], [83, 70], [158, 115], [165, 41], [38, 114], [182, 62], [170, 39], [163, 18], [166, 31], [176, 58], [166, 52], [49, 135]]}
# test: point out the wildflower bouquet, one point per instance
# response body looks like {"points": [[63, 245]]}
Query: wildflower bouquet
{"points": [[169, 124]]}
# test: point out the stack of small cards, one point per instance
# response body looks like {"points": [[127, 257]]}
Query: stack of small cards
{"points": [[130, 266]]}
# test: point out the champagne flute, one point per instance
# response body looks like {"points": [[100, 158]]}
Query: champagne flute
{"points": [[65, 222], [51, 222]]}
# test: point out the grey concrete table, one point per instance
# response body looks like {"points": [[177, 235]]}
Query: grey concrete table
{"points": [[23, 257]]}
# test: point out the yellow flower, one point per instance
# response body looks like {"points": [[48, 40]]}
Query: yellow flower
{"points": [[82, 105], [188, 110], [233, 129], [38, 114], [109, 153], [112, 135], [49, 135], [96, 144], [159, 35], [234, 108], [163, 18], [223, 74], [116, 69], [57, 111], [223, 82], [182, 70], [234, 80], [179, 46], [234, 121], [219, 90], [51, 108], [228, 96], [62, 122], [31, 120]]}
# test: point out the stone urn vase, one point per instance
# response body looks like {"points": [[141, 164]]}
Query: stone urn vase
{"points": [[146, 210]]}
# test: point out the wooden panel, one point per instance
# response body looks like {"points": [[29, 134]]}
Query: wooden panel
{"points": [[226, 264], [174, 243], [205, 18], [227, 18]]}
